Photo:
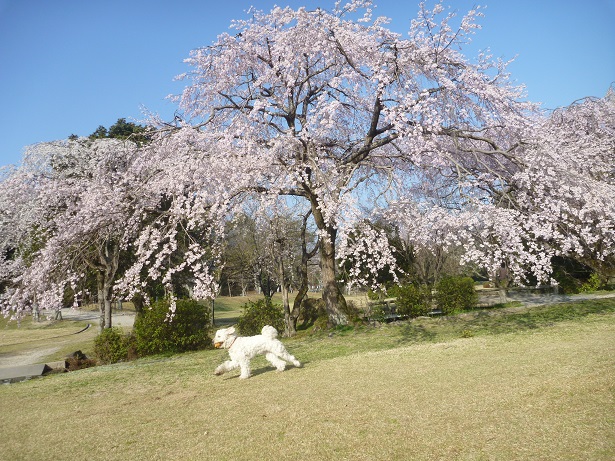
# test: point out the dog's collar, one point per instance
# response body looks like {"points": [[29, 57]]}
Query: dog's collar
{"points": [[232, 342]]}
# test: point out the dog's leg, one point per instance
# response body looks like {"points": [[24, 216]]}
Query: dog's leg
{"points": [[275, 361], [226, 366], [244, 365], [283, 354]]}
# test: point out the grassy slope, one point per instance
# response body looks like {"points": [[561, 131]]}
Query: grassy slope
{"points": [[542, 388]]}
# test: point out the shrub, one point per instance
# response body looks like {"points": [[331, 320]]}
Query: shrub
{"points": [[377, 314], [393, 290], [258, 314], [413, 300], [594, 283], [131, 346], [455, 294], [155, 334], [111, 346]]}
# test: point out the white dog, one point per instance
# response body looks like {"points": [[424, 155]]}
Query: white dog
{"points": [[242, 349]]}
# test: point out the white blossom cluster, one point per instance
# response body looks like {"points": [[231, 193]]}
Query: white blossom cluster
{"points": [[333, 109]]}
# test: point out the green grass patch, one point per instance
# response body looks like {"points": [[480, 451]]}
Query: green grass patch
{"points": [[510, 320]]}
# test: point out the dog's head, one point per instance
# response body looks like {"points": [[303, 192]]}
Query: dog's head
{"points": [[223, 337]]}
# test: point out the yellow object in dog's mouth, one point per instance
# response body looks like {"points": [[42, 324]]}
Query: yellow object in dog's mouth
{"points": [[217, 345]]}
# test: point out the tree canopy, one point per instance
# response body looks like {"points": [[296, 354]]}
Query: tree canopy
{"points": [[351, 117], [361, 124]]}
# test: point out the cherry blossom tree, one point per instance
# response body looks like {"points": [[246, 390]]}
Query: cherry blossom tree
{"points": [[559, 200], [333, 109], [567, 190], [20, 217], [336, 109], [79, 203], [78, 207], [180, 233]]}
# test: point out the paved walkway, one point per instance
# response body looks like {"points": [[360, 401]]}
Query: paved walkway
{"points": [[534, 297], [118, 319]]}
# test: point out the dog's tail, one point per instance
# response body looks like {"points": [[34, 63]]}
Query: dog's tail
{"points": [[269, 332]]}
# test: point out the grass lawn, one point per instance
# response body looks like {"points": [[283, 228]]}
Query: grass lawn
{"points": [[490, 385], [227, 309]]}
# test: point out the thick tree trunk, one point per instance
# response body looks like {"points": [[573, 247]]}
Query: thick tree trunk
{"points": [[335, 303], [104, 302]]}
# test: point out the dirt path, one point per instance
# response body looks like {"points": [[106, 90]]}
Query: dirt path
{"points": [[27, 357], [42, 349]]}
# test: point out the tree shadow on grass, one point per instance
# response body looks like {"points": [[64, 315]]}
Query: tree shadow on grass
{"points": [[505, 323], [494, 323], [498, 322], [416, 333]]}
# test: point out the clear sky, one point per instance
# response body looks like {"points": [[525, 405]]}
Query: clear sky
{"points": [[68, 66]]}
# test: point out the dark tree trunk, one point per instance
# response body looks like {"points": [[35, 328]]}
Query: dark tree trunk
{"points": [[108, 307], [100, 278], [266, 284], [109, 255], [138, 302], [335, 303]]}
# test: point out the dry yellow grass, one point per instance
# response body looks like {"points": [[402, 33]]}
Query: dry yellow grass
{"points": [[543, 394]]}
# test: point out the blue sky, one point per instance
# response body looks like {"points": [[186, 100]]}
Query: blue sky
{"points": [[68, 66]]}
